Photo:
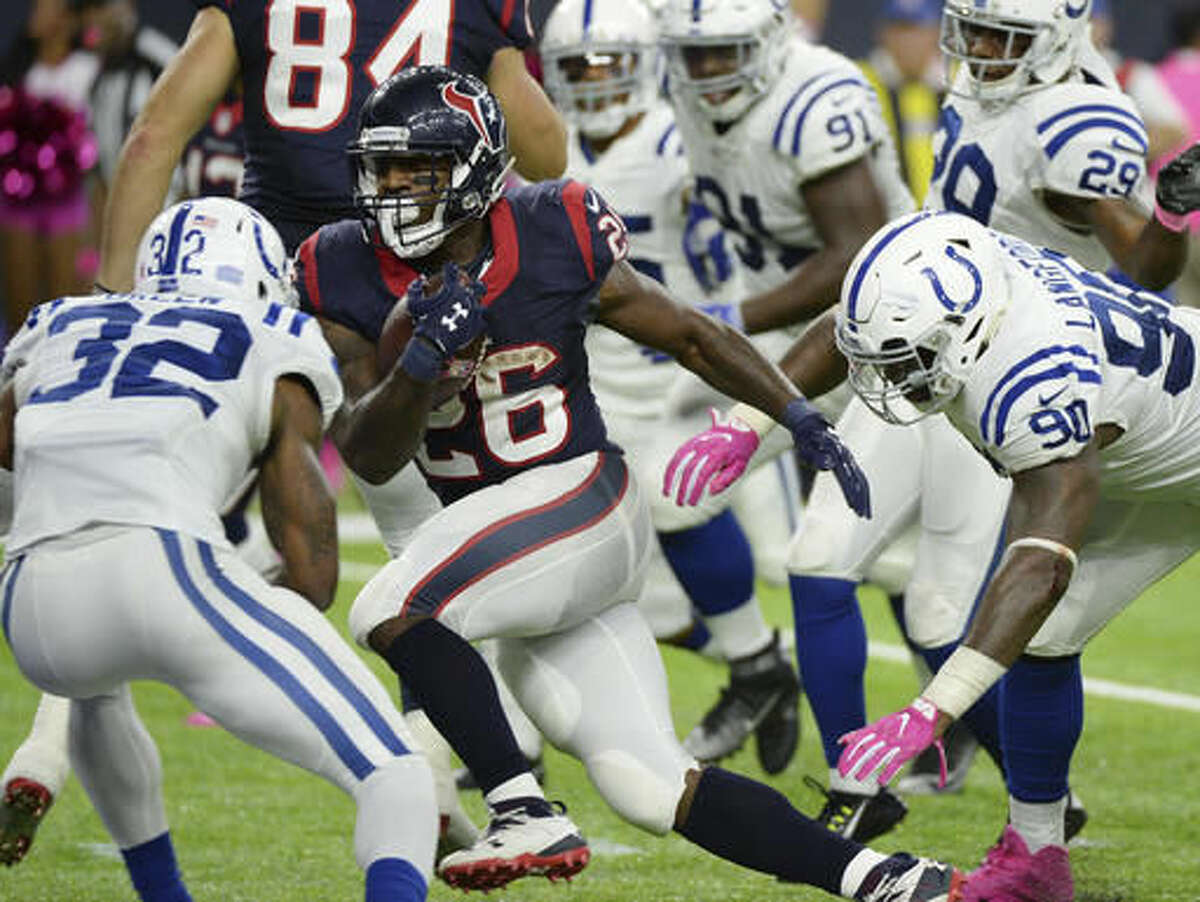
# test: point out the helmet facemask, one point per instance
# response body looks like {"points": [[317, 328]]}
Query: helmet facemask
{"points": [[744, 74], [413, 214], [1031, 48], [725, 55], [600, 87], [904, 381]]}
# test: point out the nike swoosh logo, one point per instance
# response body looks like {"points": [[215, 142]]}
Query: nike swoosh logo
{"points": [[1118, 144], [1047, 401], [903, 724]]}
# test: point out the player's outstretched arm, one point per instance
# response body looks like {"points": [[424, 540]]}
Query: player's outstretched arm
{"points": [[1050, 510], [537, 135], [639, 308], [180, 103], [298, 507], [846, 209]]}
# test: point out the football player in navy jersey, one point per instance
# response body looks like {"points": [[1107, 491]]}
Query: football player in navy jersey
{"points": [[306, 67], [543, 535], [212, 163]]}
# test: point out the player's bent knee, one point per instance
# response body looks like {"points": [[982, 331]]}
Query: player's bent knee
{"points": [[667, 516], [819, 551], [636, 792], [379, 600]]}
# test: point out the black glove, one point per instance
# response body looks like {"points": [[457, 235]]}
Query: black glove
{"points": [[819, 446], [449, 319], [1178, 189]]}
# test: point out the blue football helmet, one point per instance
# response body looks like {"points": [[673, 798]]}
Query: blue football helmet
{"points": [[435, 117]]}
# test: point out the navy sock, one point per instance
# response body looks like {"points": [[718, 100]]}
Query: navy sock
{"points": [[394, 880], [983, 717], [751, 824], [831, 649], [154, 872], [694, 638], [713, 563], [458, 695], [1041, 717], [408, 699], [897, 603]]}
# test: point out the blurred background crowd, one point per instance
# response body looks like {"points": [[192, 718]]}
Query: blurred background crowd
{"points": [[73, 74]]}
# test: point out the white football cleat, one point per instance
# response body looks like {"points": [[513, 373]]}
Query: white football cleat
{"points": [[533, 837]]}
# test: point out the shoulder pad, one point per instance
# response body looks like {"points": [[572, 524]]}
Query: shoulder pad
{"points": [[829, 120], [1092, 139], [1041, 408]]}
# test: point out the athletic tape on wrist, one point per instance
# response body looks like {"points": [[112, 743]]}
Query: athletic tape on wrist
{"points": [[753, 417], [964, 679], [1046, 545]]}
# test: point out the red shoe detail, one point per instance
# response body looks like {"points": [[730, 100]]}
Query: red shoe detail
{"points": [[25, 804], [493, 873]]}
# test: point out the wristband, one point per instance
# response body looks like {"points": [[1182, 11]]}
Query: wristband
{"points": [[1174, 222], [963, 680], [752, 417], [422, 360], [1045, 545]]}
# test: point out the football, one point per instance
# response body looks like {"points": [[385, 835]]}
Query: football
{"points": [[398, 329]]}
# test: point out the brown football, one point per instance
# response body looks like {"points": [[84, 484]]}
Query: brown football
{"points": [[398, 329]]}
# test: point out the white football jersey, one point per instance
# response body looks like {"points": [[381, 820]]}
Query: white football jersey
{"points": [[819, 115], [643, 175], [1074, 350], [149, 410], [1078, 139]]}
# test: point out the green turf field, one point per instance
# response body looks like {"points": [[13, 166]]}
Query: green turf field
{"points": [[250, 829]]}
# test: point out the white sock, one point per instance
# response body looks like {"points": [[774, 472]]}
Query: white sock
{"points": [[518, 787], [858, 868], [838, 783], [740, 632], [1039, 823], [43, 755]]}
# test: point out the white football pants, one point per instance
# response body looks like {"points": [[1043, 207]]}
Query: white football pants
{"points": [[87, 613]]}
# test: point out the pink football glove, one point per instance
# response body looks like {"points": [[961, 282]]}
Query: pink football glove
{"points": [[885, 746], [716, 456]]}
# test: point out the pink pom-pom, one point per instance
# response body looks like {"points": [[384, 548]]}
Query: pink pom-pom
{"points": [[45, 148]]}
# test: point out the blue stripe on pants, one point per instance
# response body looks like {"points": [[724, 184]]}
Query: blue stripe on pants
{"points": [[349, 754]]}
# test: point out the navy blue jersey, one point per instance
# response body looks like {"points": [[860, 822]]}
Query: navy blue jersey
{"points": [[530, 403], [212, 160], [308, 65]]}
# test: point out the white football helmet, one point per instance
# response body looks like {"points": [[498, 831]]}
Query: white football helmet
{"points": [[214, 247], [749, 36], [919, 305], [583, 37], [1040, 39]]}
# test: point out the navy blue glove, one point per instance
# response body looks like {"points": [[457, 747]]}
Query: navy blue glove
{"points": [[820, 447], [449, 319], [704, 247]]}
